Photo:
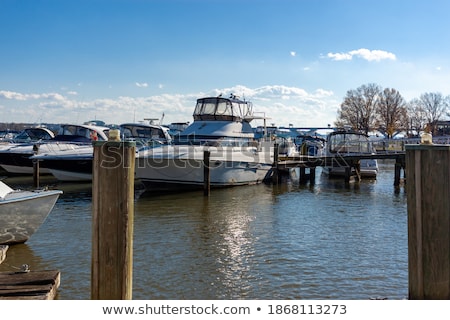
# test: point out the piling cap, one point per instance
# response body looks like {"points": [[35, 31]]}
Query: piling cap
{"points": [[114, 135], [426, 138]]}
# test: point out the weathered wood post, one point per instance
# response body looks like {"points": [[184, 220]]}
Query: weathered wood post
{"points": [[397, 172], [206, 173], [303, 176], [275, 164], [36, 170], [312, 175], [428, 199], [347, 174], [112, 220]]}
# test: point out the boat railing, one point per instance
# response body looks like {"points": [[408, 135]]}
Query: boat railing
{"points": [[351, 147]]}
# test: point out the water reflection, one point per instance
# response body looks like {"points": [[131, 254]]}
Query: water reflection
{"points": [[285, 241]]}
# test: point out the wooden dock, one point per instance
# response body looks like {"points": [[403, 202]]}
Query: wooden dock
{"points": [[349, 160], [32, 285]]}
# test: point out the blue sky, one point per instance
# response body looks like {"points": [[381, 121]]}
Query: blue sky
{"points": [[125, 60]]}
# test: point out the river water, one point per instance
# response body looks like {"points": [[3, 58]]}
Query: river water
{"points": [[286, 241]]}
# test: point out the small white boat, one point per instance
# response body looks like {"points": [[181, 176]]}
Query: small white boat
{"points": [[222, 127], [343, 143], [23, 212]]}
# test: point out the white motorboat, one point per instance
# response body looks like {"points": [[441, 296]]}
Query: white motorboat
{"points": [[16, 158], [75, 163], [12, 161], [23, 212], [343, 143], [222, 127]]}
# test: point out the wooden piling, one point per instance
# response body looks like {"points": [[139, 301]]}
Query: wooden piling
{"points": [[275, 164], [347, 174], [206, 173], [397, 173], [36, 170], [112, 220], [428, 201], [302, 172], [312, 175]]}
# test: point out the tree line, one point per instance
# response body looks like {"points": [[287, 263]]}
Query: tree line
{"points": [[370, 107]]}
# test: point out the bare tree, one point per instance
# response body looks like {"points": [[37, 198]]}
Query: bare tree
{"points": [[435, 106], [417, 117], [391, 112], [358, 110]]}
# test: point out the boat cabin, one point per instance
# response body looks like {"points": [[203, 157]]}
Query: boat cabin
{"points": [[145, 133], [227, 109], [348, 142]]}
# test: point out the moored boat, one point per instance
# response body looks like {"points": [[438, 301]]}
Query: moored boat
{"points": [[346, 143], [75, 164], [23, 212], [17, 159], [222, 127]]}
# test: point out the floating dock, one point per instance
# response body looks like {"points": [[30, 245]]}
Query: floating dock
{"points": [[30, 285]]}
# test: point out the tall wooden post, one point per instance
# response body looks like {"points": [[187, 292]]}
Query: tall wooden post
{"points": [[206, 173], [112, 220], [36, 173], [428, 198], [312, 175], [275, 164]]}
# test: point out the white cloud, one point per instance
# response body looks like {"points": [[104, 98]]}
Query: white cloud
{"points": [[293, 53], [282, 104], [141, 84], [366, 54]]}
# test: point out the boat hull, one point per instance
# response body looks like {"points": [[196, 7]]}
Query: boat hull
{"points": [[368, 169], [22, 213], [181, 168]]}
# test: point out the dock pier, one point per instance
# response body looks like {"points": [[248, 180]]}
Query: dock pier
{"points": [[349, 161]]}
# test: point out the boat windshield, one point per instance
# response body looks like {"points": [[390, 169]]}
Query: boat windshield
{"points": [[78, 131], [349, 142], [33, 134], [222, 109]]}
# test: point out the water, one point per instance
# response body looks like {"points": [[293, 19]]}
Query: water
{"points": [[289, 241]]}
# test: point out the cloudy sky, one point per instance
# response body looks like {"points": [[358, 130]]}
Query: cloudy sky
{"points": [[125, 60]]}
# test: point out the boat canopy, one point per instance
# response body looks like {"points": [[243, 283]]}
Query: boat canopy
{"points": [[349, 142], [218, 108]]}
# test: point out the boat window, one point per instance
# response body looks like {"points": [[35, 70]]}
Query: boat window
{"points": [[209, 108], [224, 108]]}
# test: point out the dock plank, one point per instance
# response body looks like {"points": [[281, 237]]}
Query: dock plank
{"points": [[33, 285]]}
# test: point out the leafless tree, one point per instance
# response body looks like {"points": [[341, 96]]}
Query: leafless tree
{"points": [[435, 107], [391, 112], [417, 117], [358, 110]]}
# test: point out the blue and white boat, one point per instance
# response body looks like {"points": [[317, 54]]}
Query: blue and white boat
{"points": [[222, 127]]}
